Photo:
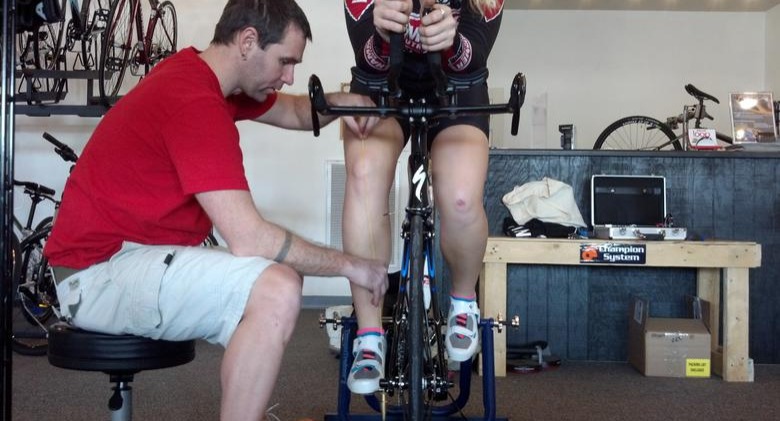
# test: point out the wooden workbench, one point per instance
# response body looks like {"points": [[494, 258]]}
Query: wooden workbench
{"points": [[719, 264]]}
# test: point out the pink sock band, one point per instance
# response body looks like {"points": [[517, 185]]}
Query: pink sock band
{"points": [[370, 331], [473, 297]]}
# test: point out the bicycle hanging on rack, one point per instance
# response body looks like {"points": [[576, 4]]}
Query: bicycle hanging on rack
{"points": [[151, 46], [43, 63], [416, 371], [649, 134]]}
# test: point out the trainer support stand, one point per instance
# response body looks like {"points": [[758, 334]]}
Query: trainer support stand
{"points": [[440, 413]]}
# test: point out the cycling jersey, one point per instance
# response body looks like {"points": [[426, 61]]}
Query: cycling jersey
{"points": [[471, 47], [468, 53]]}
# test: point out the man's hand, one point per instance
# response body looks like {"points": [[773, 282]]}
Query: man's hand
{"points": [[391, 16], [438, 28], [371, 275], [361, 126]]}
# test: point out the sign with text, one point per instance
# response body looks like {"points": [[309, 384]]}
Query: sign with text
{"points": [[613, 253]]}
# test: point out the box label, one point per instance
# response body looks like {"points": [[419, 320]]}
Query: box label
{"points": [[697, 367]]}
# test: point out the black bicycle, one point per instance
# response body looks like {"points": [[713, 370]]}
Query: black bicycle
{"points": [[649, 134], [416, 371], [36, 295]]}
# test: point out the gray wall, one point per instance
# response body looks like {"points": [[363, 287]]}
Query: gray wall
{"points": [[582, 311]]}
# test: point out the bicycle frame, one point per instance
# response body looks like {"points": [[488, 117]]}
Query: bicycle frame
{"points": [[418, 233]]}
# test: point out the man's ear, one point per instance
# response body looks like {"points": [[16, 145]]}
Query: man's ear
{"points": [[247, 39]]}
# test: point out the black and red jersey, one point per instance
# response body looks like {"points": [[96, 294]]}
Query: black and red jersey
{"points": [[469, 53]]}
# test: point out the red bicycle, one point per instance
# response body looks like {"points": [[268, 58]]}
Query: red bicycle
{"points": [[121, 50]]}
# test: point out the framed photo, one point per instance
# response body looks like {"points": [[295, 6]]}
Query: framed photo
{"points": [[753, 117]]}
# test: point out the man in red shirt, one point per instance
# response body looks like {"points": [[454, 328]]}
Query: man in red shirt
{"points": [[162, 168]]}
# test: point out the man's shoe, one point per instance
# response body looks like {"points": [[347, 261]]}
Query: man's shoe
{"points": [[462, 338], [369, 365]]}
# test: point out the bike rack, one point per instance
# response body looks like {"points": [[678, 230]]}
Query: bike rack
{"points": [[448, 412], [46, 103]]}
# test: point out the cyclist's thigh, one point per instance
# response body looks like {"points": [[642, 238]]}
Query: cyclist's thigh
{"points": [[167, 292], [477, 95]]}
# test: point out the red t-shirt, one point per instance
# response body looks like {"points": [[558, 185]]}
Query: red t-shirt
{"points": [[171, 136]]}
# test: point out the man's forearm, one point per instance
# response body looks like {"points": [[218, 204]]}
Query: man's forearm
{"points": [[312, 259]]}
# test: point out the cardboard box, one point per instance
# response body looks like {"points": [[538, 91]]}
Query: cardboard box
{"points": [[668, 347]]}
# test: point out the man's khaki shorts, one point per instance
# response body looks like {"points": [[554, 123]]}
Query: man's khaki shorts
{"points": [[162, 292]]}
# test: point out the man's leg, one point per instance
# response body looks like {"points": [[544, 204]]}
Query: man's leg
{"points": [[254, 354]]}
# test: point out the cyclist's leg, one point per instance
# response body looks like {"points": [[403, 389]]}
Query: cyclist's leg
{"points": [[370, 166], [460, 159]]}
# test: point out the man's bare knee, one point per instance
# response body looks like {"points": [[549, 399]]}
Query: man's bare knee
{"points": [[278, 290]]}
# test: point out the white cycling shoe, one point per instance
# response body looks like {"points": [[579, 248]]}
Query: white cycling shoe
{"points": [[462, 338], [369, 364]]}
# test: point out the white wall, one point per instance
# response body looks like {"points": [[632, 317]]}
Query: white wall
{"points": [[597, 66], [773, 51], [593, 67]]}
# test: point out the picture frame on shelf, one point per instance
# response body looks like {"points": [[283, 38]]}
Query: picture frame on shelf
{"points": [[753, 117]]}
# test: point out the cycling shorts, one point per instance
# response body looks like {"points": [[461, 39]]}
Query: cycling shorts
{"points": [[417, 86], [162, 292]]}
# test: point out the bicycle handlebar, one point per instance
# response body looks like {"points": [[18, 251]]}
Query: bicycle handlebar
{"points": [[420, 109], [35, 189], [63, 150]]}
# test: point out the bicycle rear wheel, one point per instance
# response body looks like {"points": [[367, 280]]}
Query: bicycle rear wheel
{"points": [[415, 342], [116, 46], [164, 34], [638, 133], [26, 339], [37, 292]]}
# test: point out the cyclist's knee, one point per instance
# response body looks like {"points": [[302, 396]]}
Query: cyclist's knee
{"points": [[461, 206]]}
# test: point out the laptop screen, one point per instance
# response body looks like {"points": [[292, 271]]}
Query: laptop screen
{"points": [[628, 200]]}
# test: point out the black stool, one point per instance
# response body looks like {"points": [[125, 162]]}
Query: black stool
{"points": [[119, 356]]}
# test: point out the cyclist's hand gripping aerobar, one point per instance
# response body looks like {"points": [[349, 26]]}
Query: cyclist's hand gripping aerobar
{"points": [[391, 16], [438, 27]]}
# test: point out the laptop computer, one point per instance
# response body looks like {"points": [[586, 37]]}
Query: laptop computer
{"points": [[631, 207]]}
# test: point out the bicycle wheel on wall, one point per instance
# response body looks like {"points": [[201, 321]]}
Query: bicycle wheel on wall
{"points": [[94, 18], [163, 34], [638, 133], [116, 46], [41, 48]]}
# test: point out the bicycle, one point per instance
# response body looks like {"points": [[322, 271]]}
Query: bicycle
{"points": [[38, 48], [416, 368], [42, 56], [35, 287], [647, 133], [156, 43]]}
